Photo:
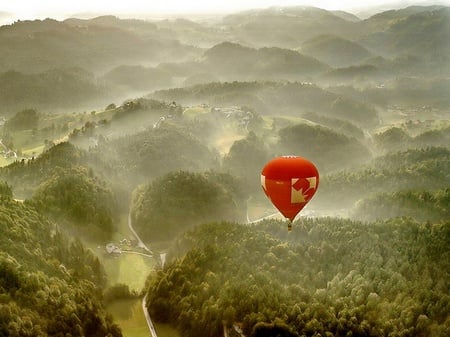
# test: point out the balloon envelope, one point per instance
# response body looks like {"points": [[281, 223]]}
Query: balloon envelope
{"points": [[289, 182]]}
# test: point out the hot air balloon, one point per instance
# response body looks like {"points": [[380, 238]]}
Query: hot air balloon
{"points": [[289, 182]]}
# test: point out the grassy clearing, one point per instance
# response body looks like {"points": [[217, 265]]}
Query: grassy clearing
{"points": [[128, 269], [6, 161], [223, 142], [129, 316], [34, 151]]}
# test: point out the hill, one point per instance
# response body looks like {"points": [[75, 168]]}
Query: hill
{"points": [[413, 169], [328, 277], [191, 110], [49, 284], [286, 27], [231, 61], [327, 148], [96, 48], [354, 75], [52, 90], [75, 195], [385, 18], [335, 51], [274, 98], [180, 200], [424, 34], [421, 205], [25, 176], [151, 153]]}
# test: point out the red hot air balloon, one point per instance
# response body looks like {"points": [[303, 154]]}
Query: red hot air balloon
{"points": [[289, 182]]}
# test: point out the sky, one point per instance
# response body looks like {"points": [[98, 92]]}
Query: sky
{"points": [[61, 9]]}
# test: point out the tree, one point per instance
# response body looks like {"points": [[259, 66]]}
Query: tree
{"points": [[5, 190]]}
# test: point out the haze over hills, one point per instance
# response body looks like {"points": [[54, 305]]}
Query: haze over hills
{"points": [[131, 156], [394, 43]]}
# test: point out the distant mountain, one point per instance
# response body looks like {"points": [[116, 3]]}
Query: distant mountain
{"points": [[113, 21], [68, 88], [287, 27], [385, 18], [121, 57], [191, 32], [424, 33], [346, 16], [335, 51], [235, 61], [230, 61], [181, 29], [95, 47]]}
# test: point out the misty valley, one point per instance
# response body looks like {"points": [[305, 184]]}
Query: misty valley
{"points": [[130, 175]]}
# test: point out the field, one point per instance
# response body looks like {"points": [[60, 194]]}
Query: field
{"points": [[129, 269], [128, 314]]}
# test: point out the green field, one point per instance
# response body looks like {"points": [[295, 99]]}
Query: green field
{"points": [[129, 269], [5, 161], [129, 316], [132, 270]]}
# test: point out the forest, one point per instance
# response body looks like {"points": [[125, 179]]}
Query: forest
{"points": [[327, 277], [49, 284], [131, 153]]}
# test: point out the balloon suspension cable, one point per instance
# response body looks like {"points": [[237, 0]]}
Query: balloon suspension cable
{"points": [[289, 226]]}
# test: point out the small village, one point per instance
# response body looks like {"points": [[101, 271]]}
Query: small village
{"points": [[125, 246]]}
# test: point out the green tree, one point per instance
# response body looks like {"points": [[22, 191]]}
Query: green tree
{"points": [[5, 190]]}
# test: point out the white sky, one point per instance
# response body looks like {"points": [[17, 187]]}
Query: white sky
{"points": [[60, 9]]}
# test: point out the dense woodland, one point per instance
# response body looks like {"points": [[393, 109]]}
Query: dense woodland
{"points": [[49, 284], [169, 123], [182, 199], [327, 277]]}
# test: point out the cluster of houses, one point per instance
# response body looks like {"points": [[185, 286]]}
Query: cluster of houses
{"points": [[242, 117], [124, 244]]}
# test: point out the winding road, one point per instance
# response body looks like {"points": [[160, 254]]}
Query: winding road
{"points": [[144, 300], [141, 243], [147, 317]]}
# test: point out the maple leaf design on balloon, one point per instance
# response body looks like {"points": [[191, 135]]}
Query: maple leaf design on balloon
{"points": [[302, 189]]}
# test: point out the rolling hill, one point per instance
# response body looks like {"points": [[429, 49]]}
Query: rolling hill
{"points": [[232, 61], [274, 98], [96, 48], [335, 51], [287, 27]]}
